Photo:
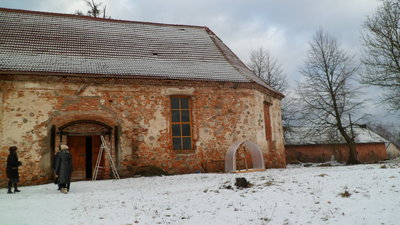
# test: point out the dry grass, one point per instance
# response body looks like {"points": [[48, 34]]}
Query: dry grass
{"points": [[322, 175], [345, 194]]}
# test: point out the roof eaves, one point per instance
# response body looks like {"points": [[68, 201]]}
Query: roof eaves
{"points": [[115, 76]]}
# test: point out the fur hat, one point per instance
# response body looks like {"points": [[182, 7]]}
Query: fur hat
{"points": [[64, 147]]}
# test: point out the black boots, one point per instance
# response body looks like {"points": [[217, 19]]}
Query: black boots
{"points": [[15, 188], [9, 188]]}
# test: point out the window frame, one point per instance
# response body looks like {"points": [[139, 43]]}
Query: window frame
{"points": [[180, 123], [268, 123]]}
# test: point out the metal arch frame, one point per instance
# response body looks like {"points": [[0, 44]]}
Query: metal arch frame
{"points": [[256, 155]]}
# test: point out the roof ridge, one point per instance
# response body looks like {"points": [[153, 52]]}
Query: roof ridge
{"points": [[242, 65], [96, 18], [212, 36]]}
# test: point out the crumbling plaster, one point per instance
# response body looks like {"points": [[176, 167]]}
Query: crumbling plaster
{"points": [[221, 114]]}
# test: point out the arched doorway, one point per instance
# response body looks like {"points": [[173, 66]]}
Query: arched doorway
{"points": [[83, 139]]}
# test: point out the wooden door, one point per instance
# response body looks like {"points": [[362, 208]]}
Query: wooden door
{"points": [[77, 148]]}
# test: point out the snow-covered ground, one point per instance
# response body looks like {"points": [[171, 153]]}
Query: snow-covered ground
{"points": [[296, 195]]}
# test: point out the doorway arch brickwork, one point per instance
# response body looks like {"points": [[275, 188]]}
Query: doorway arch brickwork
{"points": [[83, 138]]}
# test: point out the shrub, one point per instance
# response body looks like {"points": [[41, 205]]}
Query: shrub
{"points": [[148, 171]]}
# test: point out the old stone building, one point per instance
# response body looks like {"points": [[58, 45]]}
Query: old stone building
{"points": [[171, 96]]}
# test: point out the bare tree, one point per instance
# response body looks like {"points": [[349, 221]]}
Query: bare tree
{"points": [[291, 110], [94, 10], [381, 41], [326, 89], [268, 68]]}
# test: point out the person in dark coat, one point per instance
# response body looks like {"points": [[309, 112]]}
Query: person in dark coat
{"points": [[12, 169], [57, 181], [63, 168]]}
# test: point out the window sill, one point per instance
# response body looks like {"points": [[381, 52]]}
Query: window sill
{"points": [[183, 151]]}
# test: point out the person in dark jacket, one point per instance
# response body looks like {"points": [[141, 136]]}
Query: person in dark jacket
{"points": [[63, 168], [12, 169], [57, 181]]}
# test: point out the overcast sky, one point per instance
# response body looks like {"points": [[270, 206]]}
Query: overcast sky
{"points": [[282, 26]]}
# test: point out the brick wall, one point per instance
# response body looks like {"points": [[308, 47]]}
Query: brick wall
{"points": [[221, 114], [367, 153]]}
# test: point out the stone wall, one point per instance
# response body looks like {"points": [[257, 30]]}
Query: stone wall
{"points": [[221, 114]]}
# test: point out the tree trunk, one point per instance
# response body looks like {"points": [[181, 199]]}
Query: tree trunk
{"points": [[353, 158]]}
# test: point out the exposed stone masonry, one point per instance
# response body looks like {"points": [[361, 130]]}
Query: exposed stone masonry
{"points": [[222, 113]]}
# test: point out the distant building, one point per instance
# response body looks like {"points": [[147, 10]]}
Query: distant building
{"points": [[392, 150], [171, 96], [308, 145]]}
